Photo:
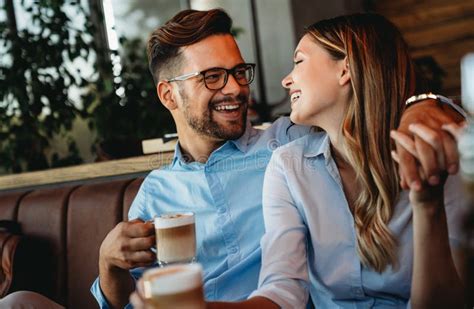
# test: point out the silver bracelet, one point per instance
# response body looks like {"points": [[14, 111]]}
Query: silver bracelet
{"points": [[420, 97]]}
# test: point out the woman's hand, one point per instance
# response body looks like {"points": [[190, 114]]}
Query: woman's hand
{"points": [[455, 129], [430, 190]]}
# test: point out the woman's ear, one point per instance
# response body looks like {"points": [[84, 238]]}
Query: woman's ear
{"points": [[345, 72], [165, 93]]}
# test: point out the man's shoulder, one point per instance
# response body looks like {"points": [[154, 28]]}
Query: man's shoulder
{"points": [[297, 148], [280, 132], [287, 130], [158, 174]]}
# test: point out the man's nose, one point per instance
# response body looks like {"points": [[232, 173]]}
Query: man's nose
{"points": [[231, 87]]}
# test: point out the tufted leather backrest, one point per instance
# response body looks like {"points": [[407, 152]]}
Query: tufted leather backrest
{"points": [[66, 226], [42, 216], [93, 211]]}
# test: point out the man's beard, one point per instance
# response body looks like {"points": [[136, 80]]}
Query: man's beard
{"points": [[204, 124]]}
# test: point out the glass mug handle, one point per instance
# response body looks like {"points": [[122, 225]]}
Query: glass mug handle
{"points": [[152, 248]]}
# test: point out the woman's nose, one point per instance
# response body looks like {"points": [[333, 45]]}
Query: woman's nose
{"points": [[287, 81]]}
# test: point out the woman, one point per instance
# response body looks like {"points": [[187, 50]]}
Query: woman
{"points": [[337, 223]]}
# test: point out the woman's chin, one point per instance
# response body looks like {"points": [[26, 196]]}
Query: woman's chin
{"points": [[297, 119]]}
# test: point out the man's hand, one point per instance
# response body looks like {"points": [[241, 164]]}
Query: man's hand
{"points": [[126, 246], [439, 154]]}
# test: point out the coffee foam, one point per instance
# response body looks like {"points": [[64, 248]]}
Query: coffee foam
{"points": [[172, 279], [166, 221]]}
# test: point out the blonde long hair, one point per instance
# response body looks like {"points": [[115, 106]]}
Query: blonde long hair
{"points": [[382, 78]]}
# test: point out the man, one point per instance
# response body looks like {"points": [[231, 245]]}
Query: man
{"points": [[219, 163]]}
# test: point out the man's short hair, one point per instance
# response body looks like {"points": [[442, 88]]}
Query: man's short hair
{"points": [[185, 28]]}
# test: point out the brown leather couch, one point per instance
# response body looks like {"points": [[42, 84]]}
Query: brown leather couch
{"points": [[64, 227]]}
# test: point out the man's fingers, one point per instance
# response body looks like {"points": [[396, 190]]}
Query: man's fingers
{"points": [[444, 146], [138, 258], [428, 160], [403, 183], [434, 139], [396, 158], [140, 243], [138, 228]]}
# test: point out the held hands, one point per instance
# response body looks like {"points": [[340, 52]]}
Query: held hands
{"points": [[128, 246], [436, 148], [433, 163]]}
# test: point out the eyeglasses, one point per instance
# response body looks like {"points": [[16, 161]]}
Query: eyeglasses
{"points": [[216, 78]]}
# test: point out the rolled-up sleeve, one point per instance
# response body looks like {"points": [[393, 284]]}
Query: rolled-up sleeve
{"points": [[284, 274]]}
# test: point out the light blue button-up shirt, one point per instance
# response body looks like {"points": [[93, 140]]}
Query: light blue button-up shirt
{"points": [[309, 244], [225, 194]]}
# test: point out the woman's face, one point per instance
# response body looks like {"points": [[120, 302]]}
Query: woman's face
{"points": [[318, 85]]}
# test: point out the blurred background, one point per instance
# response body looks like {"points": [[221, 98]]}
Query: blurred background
{"points": [[75, 86]]}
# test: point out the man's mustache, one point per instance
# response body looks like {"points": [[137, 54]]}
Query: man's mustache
{"points": [[239, 99]]}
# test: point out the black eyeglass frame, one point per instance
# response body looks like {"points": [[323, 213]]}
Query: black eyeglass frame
{"points": [[226, 77]]}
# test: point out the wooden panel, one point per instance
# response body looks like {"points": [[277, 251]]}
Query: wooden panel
{"points": [[400, 7], [448, 55], [441, 34], [426, 18], [86, 171], [442, 29]]}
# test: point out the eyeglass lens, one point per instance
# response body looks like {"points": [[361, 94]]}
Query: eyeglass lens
{"points": [[217, 78]]}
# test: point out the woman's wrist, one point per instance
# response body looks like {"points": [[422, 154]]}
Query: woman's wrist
{"points": [[431, 209]]}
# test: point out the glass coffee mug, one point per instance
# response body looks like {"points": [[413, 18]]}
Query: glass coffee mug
{"points": [[175, 238], [176, 286]]}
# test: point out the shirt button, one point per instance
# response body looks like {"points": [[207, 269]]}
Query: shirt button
{"points": [[221, 210], [233, 250]]}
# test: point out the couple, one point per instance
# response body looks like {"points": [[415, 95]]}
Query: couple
{"points": [[345, 219]]}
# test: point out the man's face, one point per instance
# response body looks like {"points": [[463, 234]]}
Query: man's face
{"points": [[217, 114]]}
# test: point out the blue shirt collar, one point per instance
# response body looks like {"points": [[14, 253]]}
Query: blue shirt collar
{"points": [[317, 146], [241, 144]]}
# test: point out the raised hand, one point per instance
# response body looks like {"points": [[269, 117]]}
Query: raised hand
{"points": [[439, 148]]}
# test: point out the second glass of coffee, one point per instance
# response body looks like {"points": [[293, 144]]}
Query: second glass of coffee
{"points": [[175, 238], [176, 286]]}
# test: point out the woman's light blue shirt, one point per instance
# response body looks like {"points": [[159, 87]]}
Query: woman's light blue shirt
{"points": [[309, 244]]}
